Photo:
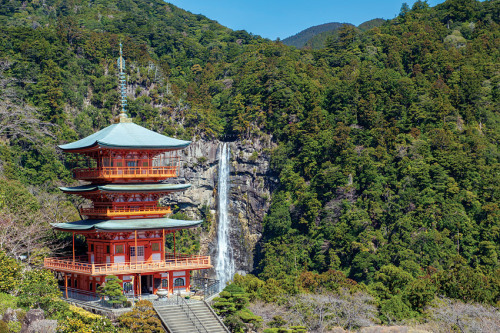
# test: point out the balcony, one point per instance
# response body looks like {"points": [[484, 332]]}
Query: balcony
{"points": [[171, 262], [126, 211], [133, 172]]}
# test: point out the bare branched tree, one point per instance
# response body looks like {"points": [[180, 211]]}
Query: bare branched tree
{"points": [[452, 315], [19, 239], [27, 233], [22, 121], [321, 311]]}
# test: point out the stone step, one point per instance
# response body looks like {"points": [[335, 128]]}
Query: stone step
{"points": [[176, 318]]}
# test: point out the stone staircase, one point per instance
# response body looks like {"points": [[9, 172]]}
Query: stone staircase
{"points": [[190, 317]]}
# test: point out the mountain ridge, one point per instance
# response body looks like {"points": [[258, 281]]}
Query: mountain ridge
{"points": [[314, 37]]}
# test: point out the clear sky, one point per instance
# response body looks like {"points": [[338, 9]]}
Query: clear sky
{"points": [[280, 18]]}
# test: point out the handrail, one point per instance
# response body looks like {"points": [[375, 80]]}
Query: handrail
{"points": [[125, 211], [126, 171], [113, 268], [216, 316], [190, 312], [209, 286]]}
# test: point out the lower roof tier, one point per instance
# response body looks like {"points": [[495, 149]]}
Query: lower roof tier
{"points": [[126, 225], [127, 188]]}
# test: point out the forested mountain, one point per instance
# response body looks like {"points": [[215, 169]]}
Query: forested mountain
{"points": [[371, 24], [387, 139], [300, 39], [319, 40]]}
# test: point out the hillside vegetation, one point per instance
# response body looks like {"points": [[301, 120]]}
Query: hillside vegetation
{"points": [[302, 38], [387, 140], [318, 41]]}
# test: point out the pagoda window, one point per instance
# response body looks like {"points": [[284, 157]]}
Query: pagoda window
{"points": [[179, 282], [155, 247], [119, 249], [91, 247], [164, 283], [107, 248], [127, 287]]}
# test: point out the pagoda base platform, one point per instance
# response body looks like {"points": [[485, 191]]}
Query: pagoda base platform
{"points": [[179, 262]]}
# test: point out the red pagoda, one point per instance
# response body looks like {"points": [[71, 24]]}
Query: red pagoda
{"points": [[125, 227]]}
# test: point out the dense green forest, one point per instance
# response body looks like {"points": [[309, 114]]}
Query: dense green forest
{"points": [[316, 40], [303, 37], [387, 139]]}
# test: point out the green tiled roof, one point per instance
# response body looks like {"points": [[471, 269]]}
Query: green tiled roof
{"points": [[141, 187], [127, 135], [126, 225]]}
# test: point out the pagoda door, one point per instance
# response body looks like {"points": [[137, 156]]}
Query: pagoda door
{"points": [[99, 254], [140, 254]]}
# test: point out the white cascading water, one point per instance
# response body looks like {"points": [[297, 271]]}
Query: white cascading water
{"points": [[224, 267]]}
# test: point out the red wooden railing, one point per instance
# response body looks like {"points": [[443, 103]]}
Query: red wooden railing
{"points": [[126, 172], [126, 211], [171, 262]]}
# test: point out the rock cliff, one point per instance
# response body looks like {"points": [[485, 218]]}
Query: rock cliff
{"points": [[251, 181]]}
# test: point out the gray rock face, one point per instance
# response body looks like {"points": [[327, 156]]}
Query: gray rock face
{"points": [[9, 315], [43, 326], [32, 317], [251, 185]]}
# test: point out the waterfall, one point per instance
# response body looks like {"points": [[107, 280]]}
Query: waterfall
{"points": [[224, 267]]}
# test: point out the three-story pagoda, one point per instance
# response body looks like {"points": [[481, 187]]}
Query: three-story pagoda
{"points": [[125, 227]]}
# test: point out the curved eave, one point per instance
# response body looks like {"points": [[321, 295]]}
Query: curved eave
{"points": [[128, 188], [98, 145], [108, 145], [125, 136], [126, 225]]}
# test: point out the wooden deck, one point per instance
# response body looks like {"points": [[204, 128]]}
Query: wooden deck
{"points": [[109, 173], [179, 262]]}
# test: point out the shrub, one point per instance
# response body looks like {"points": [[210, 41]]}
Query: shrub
{"points": [[4, 328], [113, 290], [142, 318], [10, 271], [39, 289]]}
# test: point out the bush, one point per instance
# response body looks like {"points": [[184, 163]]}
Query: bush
{"points": [[4, 328], [10, 271], [39, 289], [79, 325], [142, 318], [7, 301], [113, 290]]}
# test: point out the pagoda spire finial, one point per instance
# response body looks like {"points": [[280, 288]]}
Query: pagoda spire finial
{"points": [[123, 88]]}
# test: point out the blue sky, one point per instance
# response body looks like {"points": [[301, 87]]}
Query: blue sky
{"points": [[279, 18]]}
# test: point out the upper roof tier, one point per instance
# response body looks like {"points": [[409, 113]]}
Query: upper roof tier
{"points": [[126, 135]]}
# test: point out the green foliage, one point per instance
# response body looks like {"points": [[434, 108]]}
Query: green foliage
{"points": [[4, 327], [10, 273], [16, 199], [386, 139], [39, 288], [231, 306], [113, 290], [142, 318], [7, 301]]}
